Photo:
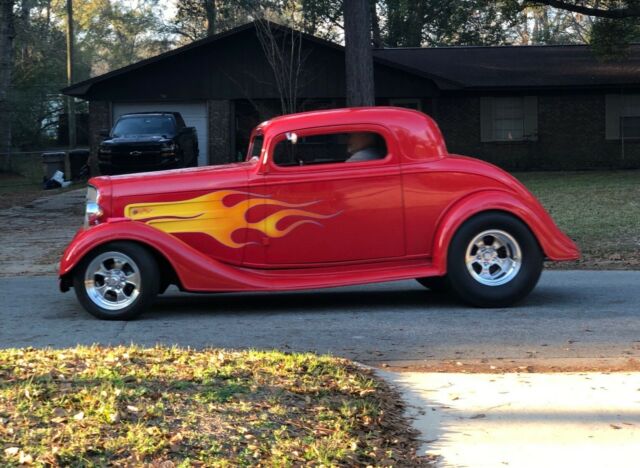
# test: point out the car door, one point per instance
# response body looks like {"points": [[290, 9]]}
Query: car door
{"points": [[320, 209]]}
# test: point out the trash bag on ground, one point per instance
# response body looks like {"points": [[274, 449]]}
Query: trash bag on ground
{"points": [[56, 181]]}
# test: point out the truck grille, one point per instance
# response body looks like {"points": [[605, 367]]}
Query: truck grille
{"points": [[142, 156]]}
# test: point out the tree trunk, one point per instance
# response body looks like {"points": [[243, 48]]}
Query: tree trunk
{"points": [[7, 33], [375, 26], [358, 55], [210, 9]]}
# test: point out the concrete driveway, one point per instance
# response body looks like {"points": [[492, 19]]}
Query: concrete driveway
{"points": [[572, 316]]}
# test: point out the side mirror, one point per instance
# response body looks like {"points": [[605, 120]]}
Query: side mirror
{"points": [[104, 133], [188, 131]]}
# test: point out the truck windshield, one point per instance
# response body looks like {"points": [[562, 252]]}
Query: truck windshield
{"points": [[161, 125]]}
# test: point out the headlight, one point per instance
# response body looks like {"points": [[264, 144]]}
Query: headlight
{"points": [[92, 211], [104, 150], [168, 147]]}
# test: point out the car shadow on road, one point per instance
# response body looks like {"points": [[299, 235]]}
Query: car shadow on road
{"points": [[334, 301]]}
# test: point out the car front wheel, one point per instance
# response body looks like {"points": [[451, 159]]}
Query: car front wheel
{"points": [[117, 281], [494, 261]]}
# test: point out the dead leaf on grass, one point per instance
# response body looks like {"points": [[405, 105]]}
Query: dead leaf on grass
{"points": [[11, 451], [25, 459]]}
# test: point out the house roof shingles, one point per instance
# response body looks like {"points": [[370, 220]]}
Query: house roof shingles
{"points": [[502, 67], [456, 68]]}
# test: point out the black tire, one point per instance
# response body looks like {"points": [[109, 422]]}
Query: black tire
{"points": [[194, 159], [136, 258], [518, 283], [436, 284]]}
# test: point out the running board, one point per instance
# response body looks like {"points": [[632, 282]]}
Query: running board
{"points": [[328, 277]]}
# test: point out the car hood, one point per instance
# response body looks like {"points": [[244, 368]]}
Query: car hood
{"points": [[137, 139], [122, 190]]}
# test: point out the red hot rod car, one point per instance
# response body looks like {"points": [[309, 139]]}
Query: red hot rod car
{"points": [[326, 198]]}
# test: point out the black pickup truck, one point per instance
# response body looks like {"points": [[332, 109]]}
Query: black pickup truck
{"points": [[148, 141]]}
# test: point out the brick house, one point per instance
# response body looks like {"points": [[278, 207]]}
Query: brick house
{"points": [[521, 107]]}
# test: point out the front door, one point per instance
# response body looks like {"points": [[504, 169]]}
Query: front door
{"points": [[320, 208]]}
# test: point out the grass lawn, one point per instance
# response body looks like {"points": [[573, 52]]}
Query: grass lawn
{"points": [[599, 210], [165, 407]]}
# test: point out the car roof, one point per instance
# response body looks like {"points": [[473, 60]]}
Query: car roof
{"points": [[417, 134], [132, 114]]}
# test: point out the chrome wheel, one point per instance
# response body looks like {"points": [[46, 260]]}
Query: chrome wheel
{"points": [[493, 257], [112, 281]]}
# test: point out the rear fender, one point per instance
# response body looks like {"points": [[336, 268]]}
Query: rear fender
{"points": [[554, 243], [195, 271]]}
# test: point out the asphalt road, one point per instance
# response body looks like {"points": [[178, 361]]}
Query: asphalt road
{"points": [[571, 315]]}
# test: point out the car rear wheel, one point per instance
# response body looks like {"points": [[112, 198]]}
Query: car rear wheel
{"points": [[494, 261], [117, 281]]}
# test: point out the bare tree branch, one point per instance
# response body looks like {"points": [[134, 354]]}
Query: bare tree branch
{"points": [[283, 51], [631, 11]]}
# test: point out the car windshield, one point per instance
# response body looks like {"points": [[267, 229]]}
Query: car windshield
{"points": [[161, 125], [256, 147]]}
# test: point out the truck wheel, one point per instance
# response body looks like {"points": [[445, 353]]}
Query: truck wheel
{"points": [[117, 281], [494, 261], [194, 159]]}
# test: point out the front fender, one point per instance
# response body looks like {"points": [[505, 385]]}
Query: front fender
{"points": [[555, 244], [195, 271]]}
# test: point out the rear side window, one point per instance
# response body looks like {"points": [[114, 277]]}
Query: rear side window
{"points": [[330, 148]]}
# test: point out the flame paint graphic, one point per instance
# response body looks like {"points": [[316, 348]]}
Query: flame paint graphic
{"points": [[209, 215]]}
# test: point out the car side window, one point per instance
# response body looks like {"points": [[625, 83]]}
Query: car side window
{"points": [[349, 147]]}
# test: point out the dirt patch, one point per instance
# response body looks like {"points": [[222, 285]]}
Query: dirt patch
{"points": [[11, 199], [34, 235], [504, 366]]}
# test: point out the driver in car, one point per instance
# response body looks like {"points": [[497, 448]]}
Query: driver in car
{"points": [[364, 146]]}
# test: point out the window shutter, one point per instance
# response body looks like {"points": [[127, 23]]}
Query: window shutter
{"points": [[614, 104], [530, 117], [486, 119]]}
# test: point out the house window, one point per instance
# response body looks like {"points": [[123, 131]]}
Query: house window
{"points": [[631, 127], [513, 118], [622, 116], [414, 104]]}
